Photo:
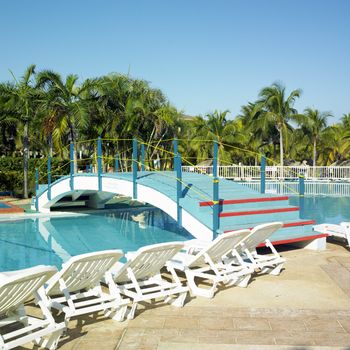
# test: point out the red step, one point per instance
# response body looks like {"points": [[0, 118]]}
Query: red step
{"points": [[244, 200], [256, 212], [288, 224]]}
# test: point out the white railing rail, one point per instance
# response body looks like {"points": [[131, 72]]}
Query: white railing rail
{"points": [[341, 189], [247, 172]]}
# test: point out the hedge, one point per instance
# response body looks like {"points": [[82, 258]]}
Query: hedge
{"points": [[11, 173]]}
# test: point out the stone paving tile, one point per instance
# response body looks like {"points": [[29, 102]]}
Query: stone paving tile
{"points": [[345, 323], [287, 325], [323, 325], [147, 322], [181, 322], [255, 337], [245, 323], [298, 339], [216, 323]]}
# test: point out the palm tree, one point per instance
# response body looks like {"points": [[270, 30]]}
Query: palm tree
{"points": [[313, 122], [21, 99], [275, 107], [67, 109]]}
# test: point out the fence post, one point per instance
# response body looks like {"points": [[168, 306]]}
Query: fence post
{"points": [[49, 177], [178, 170], [116, 164], [99, 162], [36, 188], [262, 174], [216, 202], [142, 157], [71, 159], [134, 167]]}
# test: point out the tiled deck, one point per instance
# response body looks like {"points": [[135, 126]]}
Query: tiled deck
{"points": [[306, 307]]}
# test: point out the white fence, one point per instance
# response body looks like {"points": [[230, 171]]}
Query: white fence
{"points": [[243, 172], [337, 189]]}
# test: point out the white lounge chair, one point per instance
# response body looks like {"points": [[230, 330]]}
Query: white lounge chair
{"points": [[339, 231], [140, 278], [245, 252], [16, 288], [208, 264], [76, 289]]}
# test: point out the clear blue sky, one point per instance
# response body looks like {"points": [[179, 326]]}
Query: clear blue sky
{"points": [[204, 54]]}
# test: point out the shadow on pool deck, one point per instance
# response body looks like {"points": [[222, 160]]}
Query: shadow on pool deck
{"points": [[306, 307]]}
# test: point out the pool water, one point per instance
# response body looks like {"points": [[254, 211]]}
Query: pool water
{"points": [[331, 210], [52, 241]]}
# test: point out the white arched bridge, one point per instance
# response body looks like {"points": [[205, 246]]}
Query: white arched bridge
{"points": [[204, 205]]}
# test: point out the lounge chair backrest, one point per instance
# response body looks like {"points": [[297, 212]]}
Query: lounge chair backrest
{"points": [[148, 261], [18, 287], [258, 235], [219, 247], [83, 271]]}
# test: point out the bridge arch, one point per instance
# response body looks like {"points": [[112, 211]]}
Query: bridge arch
{"points": [[88, 185]]}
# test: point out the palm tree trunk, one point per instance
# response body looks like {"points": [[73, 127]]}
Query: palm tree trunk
{"points": [[315, 154], [25, 159]]}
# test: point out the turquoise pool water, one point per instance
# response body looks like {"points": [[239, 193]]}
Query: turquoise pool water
{"points": [[332, 210], [52, 241]]}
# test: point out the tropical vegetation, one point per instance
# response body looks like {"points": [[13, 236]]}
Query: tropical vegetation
{"points": [[41, 113]]}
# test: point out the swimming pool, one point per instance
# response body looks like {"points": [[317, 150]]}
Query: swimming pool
{"points": [[52, 241]]}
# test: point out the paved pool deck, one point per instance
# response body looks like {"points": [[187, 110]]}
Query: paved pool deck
{"points": [[306, 307]]}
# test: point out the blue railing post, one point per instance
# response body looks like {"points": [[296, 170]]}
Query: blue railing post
{"points": [[49, 178], [116, 164], [71, 158], [175, 151], [262, 174], [134, 167], [178, 171], [36, 188], [142, 157], [301, 196], [301, 185], [216, 202], [99, 162]]}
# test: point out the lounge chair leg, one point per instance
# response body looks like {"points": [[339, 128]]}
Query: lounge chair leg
{"points": [[277, 270], [243, 281], [180, 300], [197, 291], [131, 314], [51, 341], [117, 314]]}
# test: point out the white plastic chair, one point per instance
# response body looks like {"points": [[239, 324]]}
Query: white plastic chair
{"points": [[245, 251], [209, 264], [76, 289], [16, 288], [140, 278], [339, 231]]}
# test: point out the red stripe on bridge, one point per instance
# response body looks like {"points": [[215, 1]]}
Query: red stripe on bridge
{"points": [[257, 212], [244, 200]]}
